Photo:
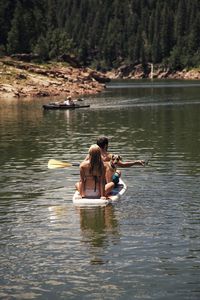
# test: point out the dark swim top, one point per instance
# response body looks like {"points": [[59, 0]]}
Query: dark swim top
{"points": [[115, 178]]}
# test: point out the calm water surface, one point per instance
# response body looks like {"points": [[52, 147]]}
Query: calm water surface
{"points": [[146, 246]]}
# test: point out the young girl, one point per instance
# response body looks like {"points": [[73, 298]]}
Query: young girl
{"points": [[92, 175]]}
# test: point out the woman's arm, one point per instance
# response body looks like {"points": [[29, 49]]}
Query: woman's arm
{"points": [[82, 181]]}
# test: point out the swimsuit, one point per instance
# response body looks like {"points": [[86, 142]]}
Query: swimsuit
{"points": [[92, 194], [115, 179]]}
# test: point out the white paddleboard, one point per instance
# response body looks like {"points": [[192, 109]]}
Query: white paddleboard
{"points": [[116, 194]]}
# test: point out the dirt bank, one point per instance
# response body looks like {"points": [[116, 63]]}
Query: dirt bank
{"points": [[21, 79], [157, 72]]}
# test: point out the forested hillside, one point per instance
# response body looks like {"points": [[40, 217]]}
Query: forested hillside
{"points": [[104, 33]]}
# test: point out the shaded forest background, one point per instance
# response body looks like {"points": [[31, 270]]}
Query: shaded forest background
{"points": [[104, 34]]}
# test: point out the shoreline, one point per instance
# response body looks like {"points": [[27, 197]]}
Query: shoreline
{"points": [[159, 72], [19, 79]]}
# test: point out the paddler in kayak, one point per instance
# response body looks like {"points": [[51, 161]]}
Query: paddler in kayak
{"points": [[92, 175], [69, 101]]}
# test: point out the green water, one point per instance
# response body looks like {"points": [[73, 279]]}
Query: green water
{"points": [[146, 246]]}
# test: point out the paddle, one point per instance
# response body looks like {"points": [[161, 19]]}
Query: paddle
{"points": [[54, 164], [146, 161]]}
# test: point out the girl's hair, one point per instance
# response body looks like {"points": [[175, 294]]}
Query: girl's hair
{"points": [[96, 163]]}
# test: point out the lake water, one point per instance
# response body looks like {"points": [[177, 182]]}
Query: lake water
{"points": [[147, 245]]}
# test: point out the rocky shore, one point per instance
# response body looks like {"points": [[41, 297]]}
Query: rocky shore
{"points": [[24, 79], [158, 72]]}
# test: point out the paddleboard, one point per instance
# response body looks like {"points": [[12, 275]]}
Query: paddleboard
{"points": [[115, 195]]}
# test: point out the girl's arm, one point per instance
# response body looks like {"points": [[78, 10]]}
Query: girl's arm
{"points": [[102, 184]]}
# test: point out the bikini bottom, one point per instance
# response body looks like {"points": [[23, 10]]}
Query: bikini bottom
{"points": [[92, 194]]}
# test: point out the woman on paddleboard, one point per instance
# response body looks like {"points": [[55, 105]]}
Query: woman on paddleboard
{"points": [[92, 175]]}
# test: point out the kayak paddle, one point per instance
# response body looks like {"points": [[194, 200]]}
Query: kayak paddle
{"points": [[54, 164]]}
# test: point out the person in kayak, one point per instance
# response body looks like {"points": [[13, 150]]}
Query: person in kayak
{"points": [[92, 175], [69, 101]]}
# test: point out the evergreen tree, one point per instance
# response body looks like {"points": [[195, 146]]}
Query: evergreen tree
{"points": [[180, 23], [107, 33], [51, 14], [156, 49], [166, 40], [42, 48], [6, 13], [15, 35]]}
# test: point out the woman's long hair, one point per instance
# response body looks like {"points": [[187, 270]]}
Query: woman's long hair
{"points": [[96, 163]]}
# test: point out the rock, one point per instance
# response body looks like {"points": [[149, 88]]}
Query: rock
{"points": [[99, 77], [125, 70], [7, 90], [70, 59], [25, 56], [21, 76]]}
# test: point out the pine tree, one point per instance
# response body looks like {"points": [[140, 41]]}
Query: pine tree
{"points": [[15, 35], [156, 49], [42, 48], [180, 23], [166, 37], [6, 13]]}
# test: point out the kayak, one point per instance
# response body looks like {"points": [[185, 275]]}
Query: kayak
{"points": [[63, 106], [115, 195]]}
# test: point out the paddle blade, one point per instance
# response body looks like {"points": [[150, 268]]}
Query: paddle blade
{"points": [[149, 157], [54, 164]]}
